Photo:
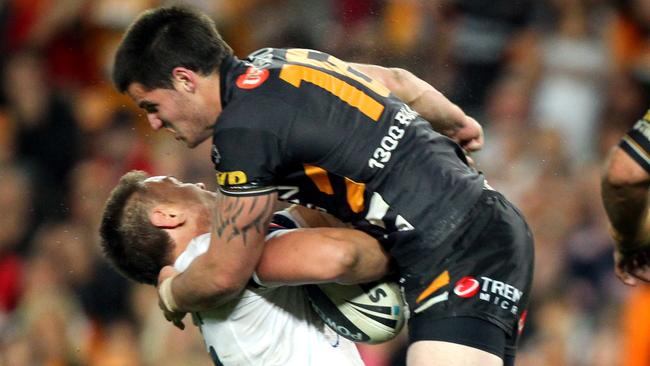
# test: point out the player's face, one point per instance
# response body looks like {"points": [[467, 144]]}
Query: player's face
{"points": [[177, 191], [175, 111]]}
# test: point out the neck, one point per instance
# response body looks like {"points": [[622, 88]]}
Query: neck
{"points": [[212, 94]]}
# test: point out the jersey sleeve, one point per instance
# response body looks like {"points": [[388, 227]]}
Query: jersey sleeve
{"points": [[636, 142]]}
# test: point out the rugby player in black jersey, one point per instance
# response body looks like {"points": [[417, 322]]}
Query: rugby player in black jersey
{"points": [[625, 185], [353, 140]]}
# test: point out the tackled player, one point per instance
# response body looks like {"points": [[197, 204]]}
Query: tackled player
{"points": [[151, 222]]}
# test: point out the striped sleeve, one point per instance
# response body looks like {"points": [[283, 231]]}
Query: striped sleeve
{"points": [[636, 142]]}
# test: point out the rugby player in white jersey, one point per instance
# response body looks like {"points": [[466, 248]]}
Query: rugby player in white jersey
{"points": [[150, 222]]}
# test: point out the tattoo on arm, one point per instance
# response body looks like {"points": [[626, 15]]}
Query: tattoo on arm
{"points": [[229, 213]]}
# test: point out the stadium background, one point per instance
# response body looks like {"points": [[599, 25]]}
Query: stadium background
{"points": [[555, 84]]}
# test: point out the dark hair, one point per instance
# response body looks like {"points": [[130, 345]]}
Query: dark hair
{"points": [[133, 245], [164, 38]]}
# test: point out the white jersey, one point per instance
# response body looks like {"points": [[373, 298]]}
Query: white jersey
{"points": [[267, 326]]}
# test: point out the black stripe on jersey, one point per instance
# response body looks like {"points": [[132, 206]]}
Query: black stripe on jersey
{"points": [[637, 144], [318, 56]]}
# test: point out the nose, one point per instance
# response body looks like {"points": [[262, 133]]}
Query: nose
{"points": [[154, 121], [201, 185]]}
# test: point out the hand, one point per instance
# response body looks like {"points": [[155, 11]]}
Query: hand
{"points": [[632, 267], [469, 136], [165, 297]]}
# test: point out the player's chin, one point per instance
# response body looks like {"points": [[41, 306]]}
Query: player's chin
{"points": [[194, 141], [191, 143]]}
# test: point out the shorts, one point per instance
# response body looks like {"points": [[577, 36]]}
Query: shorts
{"points": [[483, 270]]}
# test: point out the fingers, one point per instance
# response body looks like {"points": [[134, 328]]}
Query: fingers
{"points": [[472, 145], [166, 272], [165, 297], [641, 274], [632, 269], [175, 318], [470, 135], [625, 277]]}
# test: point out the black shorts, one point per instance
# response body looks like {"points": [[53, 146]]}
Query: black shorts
{"points": [[483, 271]]}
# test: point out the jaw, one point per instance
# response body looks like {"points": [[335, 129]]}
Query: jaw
{"points": [[206, 134]]}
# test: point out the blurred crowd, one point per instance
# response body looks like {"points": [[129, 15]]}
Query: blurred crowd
{"points": [[555, 84]]}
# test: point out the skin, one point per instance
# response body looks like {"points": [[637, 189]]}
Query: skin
{"points": [[239, 223], [316, 255], [624, 191], [189, 111]]}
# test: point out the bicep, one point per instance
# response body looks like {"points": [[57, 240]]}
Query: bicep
{"points": [[622, 170], [400, 82]]}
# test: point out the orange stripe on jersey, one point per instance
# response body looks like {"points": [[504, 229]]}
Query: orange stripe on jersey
{"points": [[331, 63], [319, 177], [295, 74], [441, 280], [355, 195]]}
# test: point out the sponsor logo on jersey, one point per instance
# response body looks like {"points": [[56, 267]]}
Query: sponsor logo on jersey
{"points": [[231, 178], [466, 287], [522, 321], [496, 292], [389, 142], [252, 78]]}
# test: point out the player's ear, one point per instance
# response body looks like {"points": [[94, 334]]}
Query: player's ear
{"points": [[184, 79], [166, 217]]}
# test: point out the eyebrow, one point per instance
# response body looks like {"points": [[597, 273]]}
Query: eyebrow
{"points": [[146, 104]]}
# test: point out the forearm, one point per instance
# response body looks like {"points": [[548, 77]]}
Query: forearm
{"points": [[322, 255], [198, 288], [625, 197], [626, 207], [370, 262], [239, 225], [443, 115]]}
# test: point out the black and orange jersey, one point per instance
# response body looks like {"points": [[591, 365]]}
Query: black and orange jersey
{"points": [[637, 142], [324, 135]]}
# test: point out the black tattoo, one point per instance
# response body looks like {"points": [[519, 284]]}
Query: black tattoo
{"points": [[231, 209]]}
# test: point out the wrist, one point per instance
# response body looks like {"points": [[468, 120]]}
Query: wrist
{"points": [[167, 296]]}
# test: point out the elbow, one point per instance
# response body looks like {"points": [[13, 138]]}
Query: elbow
{"points": [[342, 261], [225, 287], [396, 79]]}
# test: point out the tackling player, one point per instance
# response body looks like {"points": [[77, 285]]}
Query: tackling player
{"points": [[625, 185], [151, 222], [308, 128]]}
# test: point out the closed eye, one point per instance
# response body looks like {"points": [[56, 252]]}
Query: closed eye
{"points": [[149, 107]]}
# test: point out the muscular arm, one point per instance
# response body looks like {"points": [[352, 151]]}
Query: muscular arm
{"points": [[625, 195], [443, 115], [320, 255], [624, 190], [239, 226]]}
